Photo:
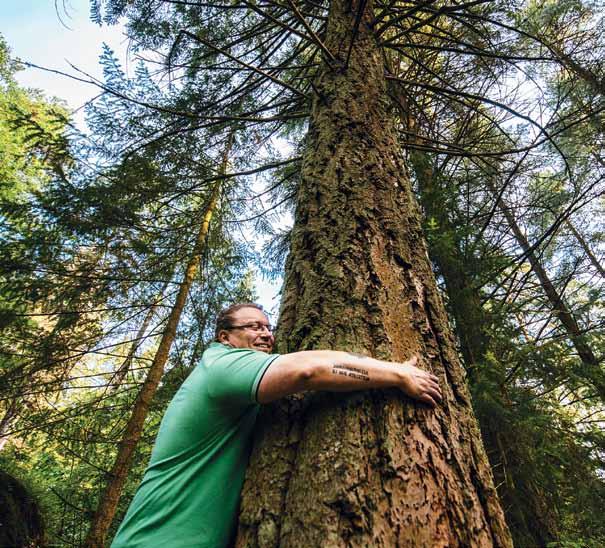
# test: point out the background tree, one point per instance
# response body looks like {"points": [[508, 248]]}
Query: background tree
{"points": [[117, 253]]}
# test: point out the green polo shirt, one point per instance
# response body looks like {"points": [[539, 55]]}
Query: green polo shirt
{"points": [[190, 492]]}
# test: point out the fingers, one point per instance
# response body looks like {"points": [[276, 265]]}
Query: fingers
{"points": [[435, 393], [432, 391], [428, 400], [422, 385], [413, 361], [429, 390], [434, 384]]}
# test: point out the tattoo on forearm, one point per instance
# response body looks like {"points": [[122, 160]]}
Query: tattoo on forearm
{"points": [[351, 371]]}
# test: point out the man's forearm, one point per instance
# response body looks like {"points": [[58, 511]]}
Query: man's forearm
{"points": [[345, 371]]}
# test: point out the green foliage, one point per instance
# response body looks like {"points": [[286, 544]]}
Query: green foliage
{"points": [[95, 242], [96, 230]]}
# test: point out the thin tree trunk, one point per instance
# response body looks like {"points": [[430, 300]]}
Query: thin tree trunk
{"points": [[7, 420], [366, 468], [465, 301], [121, 372], [591, 370], [582, 73], [591, 256], [598, 86], [111, 495]]}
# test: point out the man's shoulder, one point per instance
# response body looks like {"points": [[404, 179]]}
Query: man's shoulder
{"points": [[233, 374], [215, 349], [218, 350]]}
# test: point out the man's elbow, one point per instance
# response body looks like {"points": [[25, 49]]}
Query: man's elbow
{"points": [[307, 375], [287, 379], [300, 368], [312, 376]]}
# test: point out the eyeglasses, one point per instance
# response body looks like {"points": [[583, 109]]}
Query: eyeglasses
{"points": [[254, 326]]}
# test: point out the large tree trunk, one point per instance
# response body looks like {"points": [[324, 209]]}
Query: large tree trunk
{"points": [[372, 468]]}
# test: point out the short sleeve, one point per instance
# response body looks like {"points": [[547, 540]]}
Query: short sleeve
{"points": [[234, 376]]}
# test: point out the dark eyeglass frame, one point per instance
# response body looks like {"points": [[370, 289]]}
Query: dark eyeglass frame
{"points": [[254, 326]]}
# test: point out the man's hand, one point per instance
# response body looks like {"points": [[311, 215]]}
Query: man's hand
{"points": [[418, 384]]}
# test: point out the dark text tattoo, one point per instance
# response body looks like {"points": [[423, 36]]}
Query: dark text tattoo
{"points": [[350, 371]]}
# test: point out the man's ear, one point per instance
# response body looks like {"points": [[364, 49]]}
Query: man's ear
{"points": [[223, 336]]}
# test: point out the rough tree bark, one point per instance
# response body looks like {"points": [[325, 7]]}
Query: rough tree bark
{"points": [[366, 468]]}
